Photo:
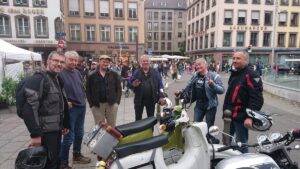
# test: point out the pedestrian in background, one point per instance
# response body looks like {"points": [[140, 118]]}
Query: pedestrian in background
{"points": [[205, 85], [77, 108], [146, 84], [103, 91], [174, 71], [244, 91], [47, 118]]}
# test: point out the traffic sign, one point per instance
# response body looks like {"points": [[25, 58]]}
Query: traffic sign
{"points": [[149, 51], [61, 44]]}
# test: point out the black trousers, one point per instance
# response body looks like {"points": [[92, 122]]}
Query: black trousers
{"points": [[150, 107], [52, 141]]}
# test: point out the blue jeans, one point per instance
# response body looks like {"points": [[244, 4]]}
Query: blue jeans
{"points": [[241, 133], [200, 111], [75, 135]]}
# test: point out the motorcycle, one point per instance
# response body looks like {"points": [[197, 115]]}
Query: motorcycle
{"points": [[149, 153], [271, 152]]}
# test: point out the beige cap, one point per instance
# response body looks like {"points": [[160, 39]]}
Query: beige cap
{"points": [[104, 57]]}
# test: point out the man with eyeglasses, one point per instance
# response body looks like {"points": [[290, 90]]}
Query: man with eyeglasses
{"points": [[45, 111], [77, 107]]}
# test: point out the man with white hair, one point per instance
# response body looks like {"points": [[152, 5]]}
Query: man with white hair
{"points": [[204, 87], [77, 107], [146, 83]]}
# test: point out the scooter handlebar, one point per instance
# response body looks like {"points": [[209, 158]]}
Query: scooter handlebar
{"points": [[225, 148]]}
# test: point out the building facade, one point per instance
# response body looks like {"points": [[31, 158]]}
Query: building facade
{"points": [[165, 23], [217, 28], [288, 31], [112, 27], [31, 24]]}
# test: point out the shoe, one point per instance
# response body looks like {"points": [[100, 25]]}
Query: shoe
{"points": [[78, 158], [64, 166]]}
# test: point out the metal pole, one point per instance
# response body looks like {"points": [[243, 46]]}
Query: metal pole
{"points": [[274, 35], [137, 48]]}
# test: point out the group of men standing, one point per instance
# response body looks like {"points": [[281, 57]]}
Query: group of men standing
{"points": [[61, 110]]}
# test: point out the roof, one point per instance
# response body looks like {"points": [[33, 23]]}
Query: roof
{"points": [[165, 4]]}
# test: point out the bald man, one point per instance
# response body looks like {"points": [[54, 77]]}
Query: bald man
{"points": [[146, 83], [244, 91]]}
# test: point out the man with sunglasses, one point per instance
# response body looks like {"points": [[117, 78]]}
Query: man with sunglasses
{"points": [[45, 111]]}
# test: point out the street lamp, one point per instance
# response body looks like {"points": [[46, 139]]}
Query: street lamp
{"points": [[274, 34], [276, 12]]}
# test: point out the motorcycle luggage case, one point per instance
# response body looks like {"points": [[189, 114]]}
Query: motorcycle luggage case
{"points": [[249, 160], [100, 142]]}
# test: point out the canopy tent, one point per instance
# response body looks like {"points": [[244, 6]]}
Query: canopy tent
{"points": [[11, 58], [174, 57], [158, 59]]}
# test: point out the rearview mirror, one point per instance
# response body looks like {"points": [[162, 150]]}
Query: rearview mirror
{"points": [[214, 130]]}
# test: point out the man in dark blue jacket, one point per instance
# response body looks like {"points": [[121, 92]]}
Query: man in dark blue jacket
{"points": [[146, 83]]}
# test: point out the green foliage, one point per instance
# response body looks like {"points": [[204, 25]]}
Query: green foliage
{"points": [[9, 85]]}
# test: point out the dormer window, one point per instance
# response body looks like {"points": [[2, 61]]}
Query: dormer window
{"points": [[21, 2], [40, 3], [3, 2]]}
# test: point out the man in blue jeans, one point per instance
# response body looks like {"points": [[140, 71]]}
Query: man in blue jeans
{"points": [[204, 87], [77, 107], [245, 90]]}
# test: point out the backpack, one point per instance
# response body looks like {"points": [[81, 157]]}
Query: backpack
{"points": [[20, 94]]}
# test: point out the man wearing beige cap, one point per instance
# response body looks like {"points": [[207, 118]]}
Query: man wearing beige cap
{"points": [[103, 91]]}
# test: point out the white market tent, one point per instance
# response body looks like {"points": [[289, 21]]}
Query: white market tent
{"points": [[15, 55]]}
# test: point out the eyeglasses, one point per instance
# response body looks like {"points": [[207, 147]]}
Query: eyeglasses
{"points": [[55, 61]]}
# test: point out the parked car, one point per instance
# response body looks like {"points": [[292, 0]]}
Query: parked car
{"points": [[296, 68], [283, 69]]}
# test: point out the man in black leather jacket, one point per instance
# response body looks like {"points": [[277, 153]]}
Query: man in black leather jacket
{"points": [[245, 90], [47, 117]]}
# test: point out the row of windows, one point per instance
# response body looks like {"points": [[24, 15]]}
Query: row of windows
{"points": [[201, 42], [163, 15], [163, 26], [22, 23], [267, 2], [104, 9], [163, 36], [199, 25], [35, 3], [241, 40], [104, 32], [163, 46], [200, 7], [255, 18]]}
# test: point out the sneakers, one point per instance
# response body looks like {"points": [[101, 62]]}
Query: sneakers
{"points": [[64, 166], [78, 158]]}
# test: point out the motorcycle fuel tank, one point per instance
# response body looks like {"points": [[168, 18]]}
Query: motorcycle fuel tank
{"points": [[248, 161]]}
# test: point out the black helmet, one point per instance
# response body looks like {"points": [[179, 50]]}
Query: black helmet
{"points": [[261, 121], [32, 158]]}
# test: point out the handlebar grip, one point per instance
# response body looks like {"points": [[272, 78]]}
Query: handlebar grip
{"points": [[296, 133], [224, 148]]}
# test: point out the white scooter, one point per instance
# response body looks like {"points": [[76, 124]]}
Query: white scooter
{"points": [[148, 153]]}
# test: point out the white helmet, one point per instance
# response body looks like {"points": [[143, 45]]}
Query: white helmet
{"points": [[261, 121]]}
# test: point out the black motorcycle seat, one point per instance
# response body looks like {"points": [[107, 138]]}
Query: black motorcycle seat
{"points": [[137, 126], [140, 146]]}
